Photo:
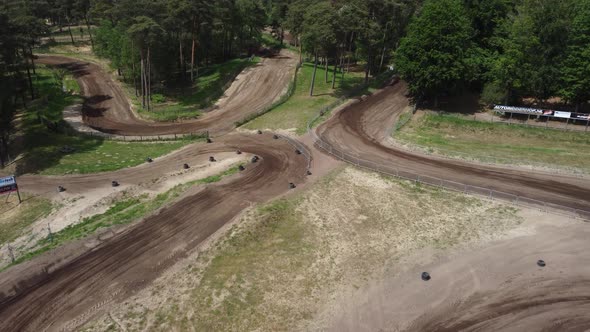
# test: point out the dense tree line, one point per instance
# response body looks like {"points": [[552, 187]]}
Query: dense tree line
{"points": [[20, 31], [342, 31], [510, 49], [168, 40], [140, 43]]}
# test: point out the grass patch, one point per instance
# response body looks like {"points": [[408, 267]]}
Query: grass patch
{"points": [[184, 102], [277, 236], [14, 217], [269, 41], [44, 136], [71, 85], [124, 211], [297, 111], [456, 136], [93, 155], [218, 177]]}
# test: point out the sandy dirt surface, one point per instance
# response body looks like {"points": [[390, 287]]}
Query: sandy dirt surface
{"points": [[347, 230], [362, 129], [75, 206], [107, 108], [498, 287], [66, 296]]}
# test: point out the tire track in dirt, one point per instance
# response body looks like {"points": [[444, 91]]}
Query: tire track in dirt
{"points": [[361, 130]]}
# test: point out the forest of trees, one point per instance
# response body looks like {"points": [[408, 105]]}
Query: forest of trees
{"points": [[506, 49], [170, 39]]}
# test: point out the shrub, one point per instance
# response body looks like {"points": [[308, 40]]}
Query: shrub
{"points": [[492, 94], [158, 98]]}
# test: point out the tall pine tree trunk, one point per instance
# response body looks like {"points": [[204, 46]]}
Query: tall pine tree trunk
{"points": [[26, 57], [70, 31], [193, 51], [342, 67], [89, 31], [368, 67], [335, 70], [134, 73], [32, 60], [142, 77], [315, 68], [326, 70], [149, 81], [349, 52]]}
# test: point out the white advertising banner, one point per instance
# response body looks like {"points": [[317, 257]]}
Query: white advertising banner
{"points": [[7, 184], [565, 115], [514, 109]]}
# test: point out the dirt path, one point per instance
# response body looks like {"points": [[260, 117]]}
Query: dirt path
{"points": [[69, 295], [362, 130], [106, 107]]}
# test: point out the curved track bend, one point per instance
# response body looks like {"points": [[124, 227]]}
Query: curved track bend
{"points": [[68, 296], [362, 130], [107, 109], [555, 300]]}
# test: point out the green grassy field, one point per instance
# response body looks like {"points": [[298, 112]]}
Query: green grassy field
{"points": [[297, 111], [14, 217], [171, 104], [269, 41], [456, 136], [43, 137]]}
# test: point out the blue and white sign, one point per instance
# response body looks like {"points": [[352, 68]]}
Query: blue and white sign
{"points": [[8, 184]]}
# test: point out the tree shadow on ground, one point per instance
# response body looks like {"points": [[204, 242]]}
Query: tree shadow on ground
{"points": [[93, 107], [44, 149], [463, 103]]}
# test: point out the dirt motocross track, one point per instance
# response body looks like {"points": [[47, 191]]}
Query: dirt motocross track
{"points": [[556, 301], [66, 297], [62, 296], [107, 109], [363, 130]]}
